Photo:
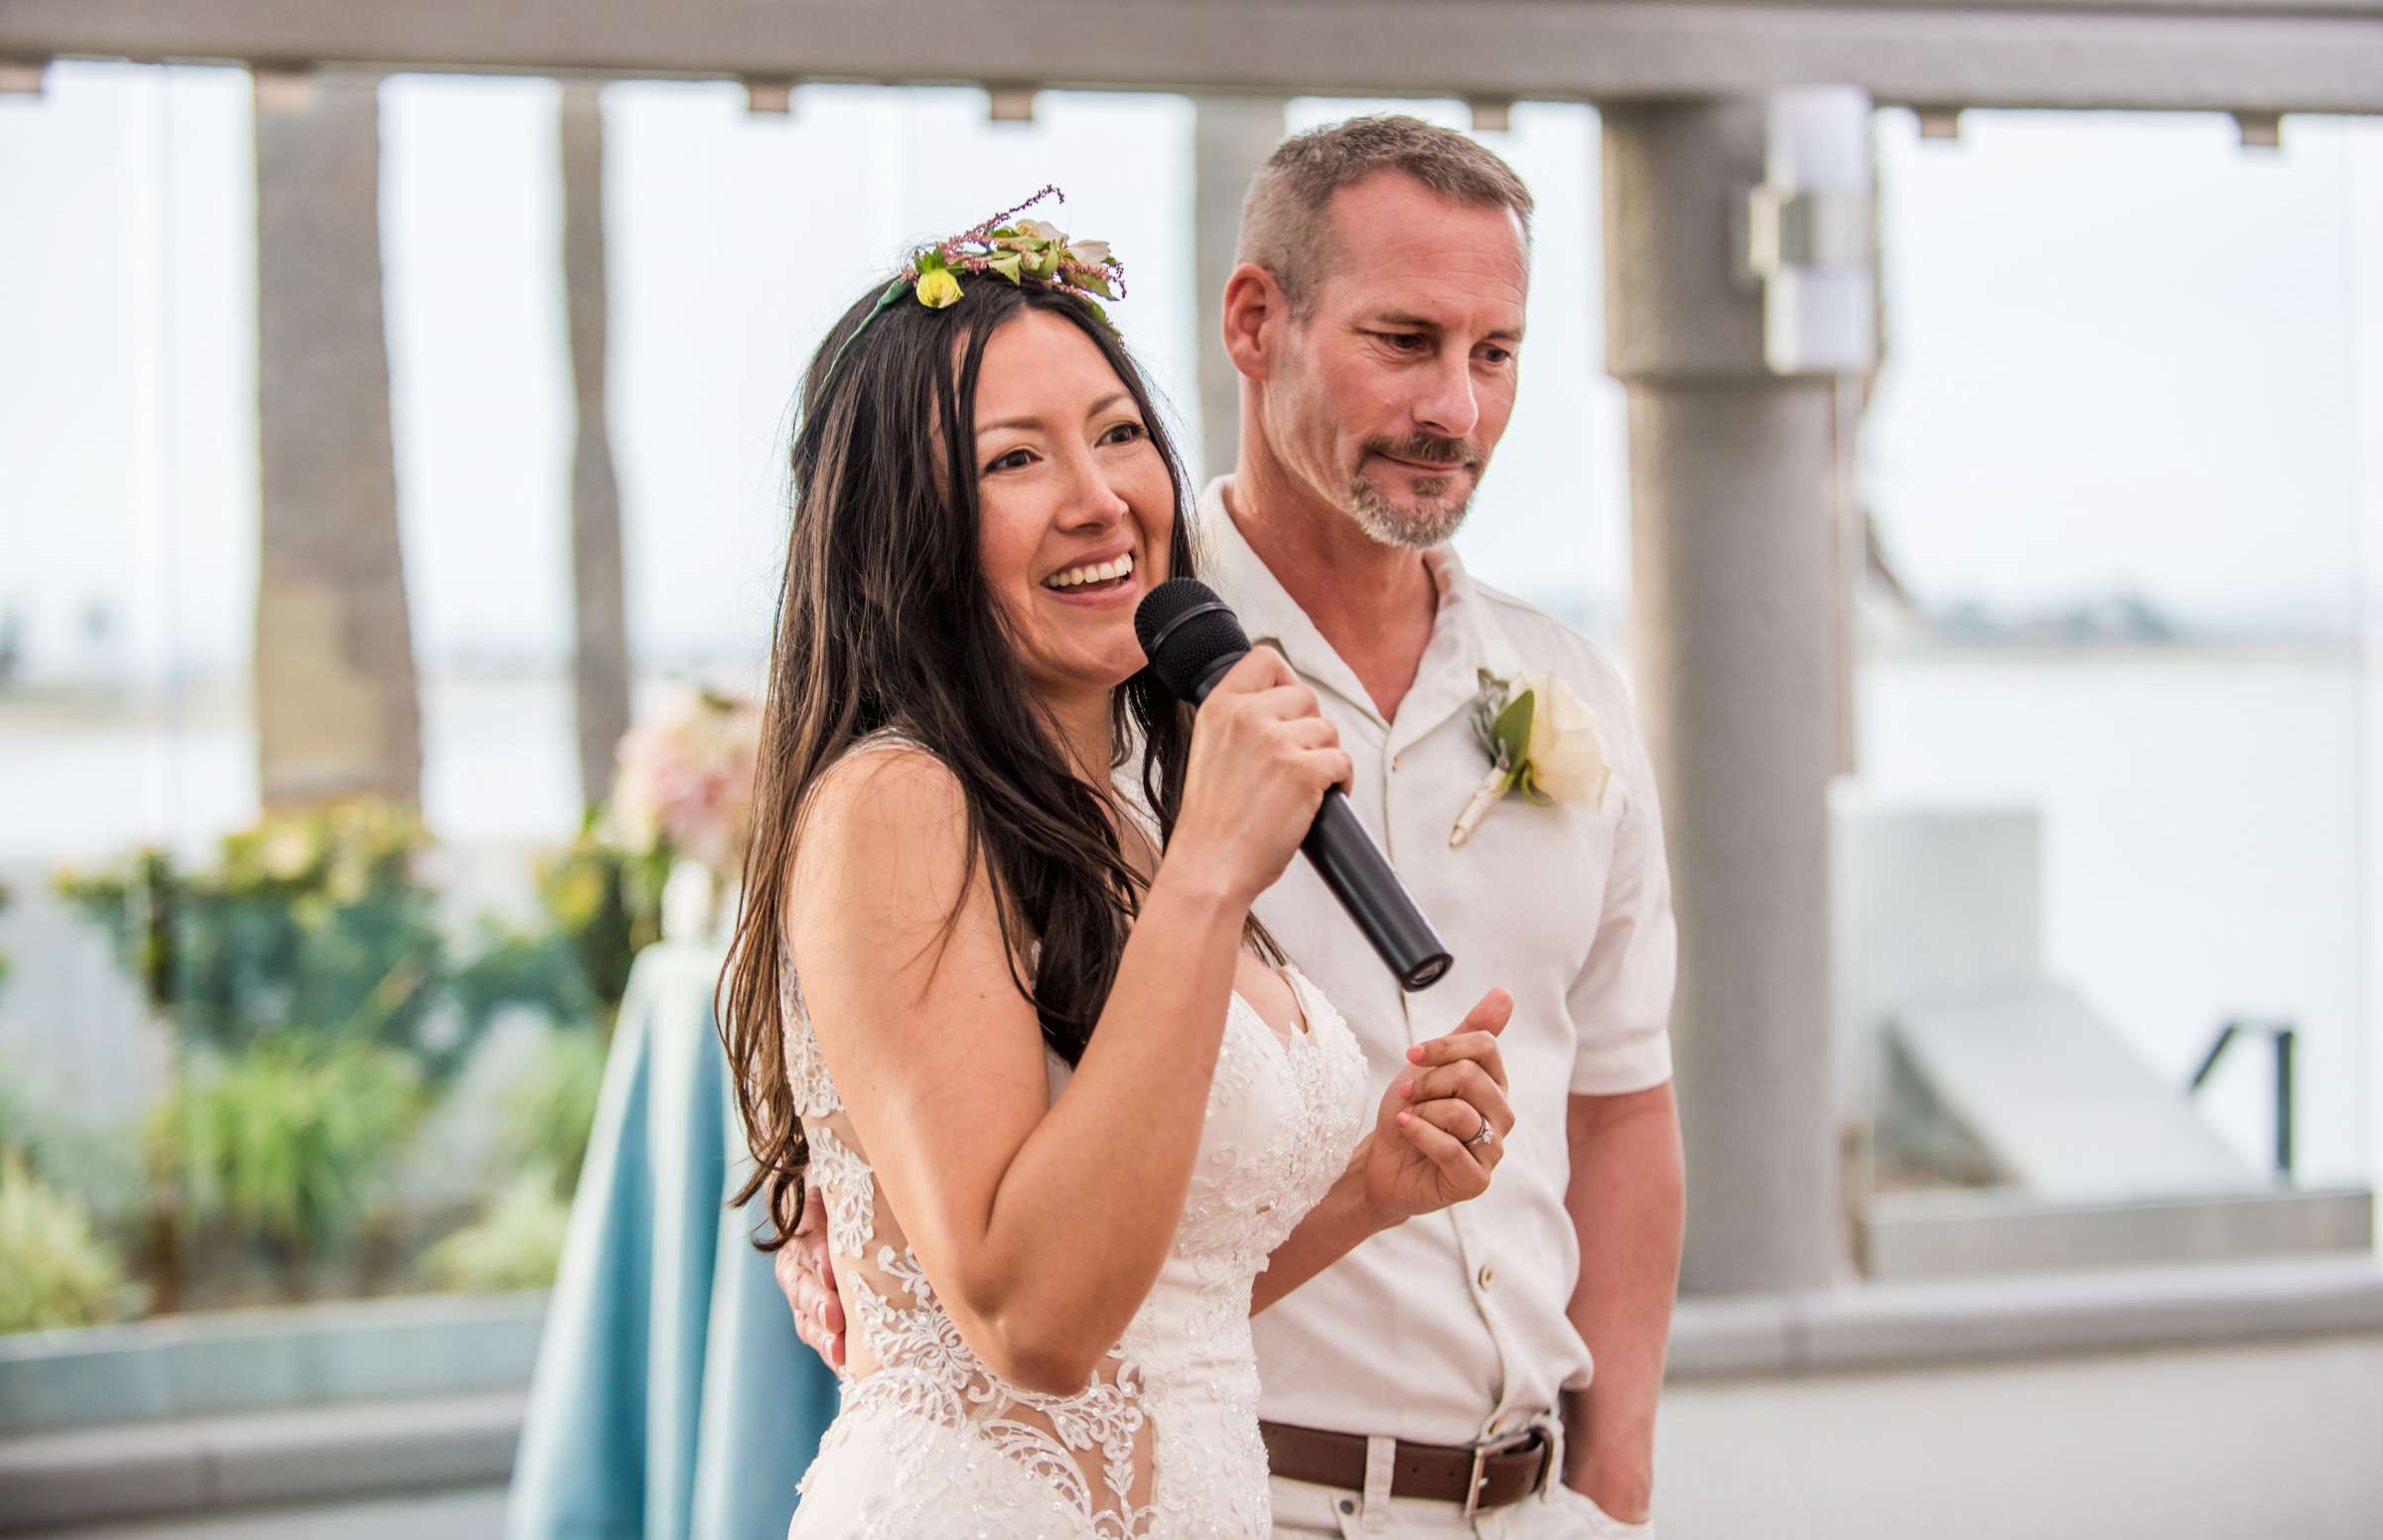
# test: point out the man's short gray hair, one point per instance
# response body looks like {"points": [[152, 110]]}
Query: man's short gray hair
{"points": [[1286, 225]]}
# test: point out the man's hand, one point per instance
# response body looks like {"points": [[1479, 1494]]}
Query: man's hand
{"points": [[1623, 1491], [1625, 1197], [809, 1283]]}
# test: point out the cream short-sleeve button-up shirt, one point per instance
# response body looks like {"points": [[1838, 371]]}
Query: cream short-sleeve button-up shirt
{"points": [[1452, 1326]]}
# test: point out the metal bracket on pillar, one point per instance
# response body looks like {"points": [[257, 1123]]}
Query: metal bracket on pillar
{"points": [[1806, 236], [1782, 228]]}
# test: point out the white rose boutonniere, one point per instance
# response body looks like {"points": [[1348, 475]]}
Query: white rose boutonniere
{"points": [[1542, 740]]}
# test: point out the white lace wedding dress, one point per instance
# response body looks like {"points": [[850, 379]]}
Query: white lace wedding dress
{"points": [[931, 1445]]}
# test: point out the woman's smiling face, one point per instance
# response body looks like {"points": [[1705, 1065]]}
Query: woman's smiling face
{"points": [[1074, 501]]}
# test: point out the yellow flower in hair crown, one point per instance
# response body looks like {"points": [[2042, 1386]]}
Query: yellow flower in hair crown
{"points": [[1003, 246], [1542, 740]]}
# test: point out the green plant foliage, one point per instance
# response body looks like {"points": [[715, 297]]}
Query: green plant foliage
{"points": [[606, 903], [318, 1008], [315, 922], [515, 1243], [55, 1270], [548, 1116], [599, 903], [288, 1140], [96, 1169], [310, 922], [16, 1122]]}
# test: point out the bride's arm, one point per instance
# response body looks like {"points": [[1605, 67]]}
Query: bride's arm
{"points": [[1332, 1231], [1416, 1159], [1042, 1224]]}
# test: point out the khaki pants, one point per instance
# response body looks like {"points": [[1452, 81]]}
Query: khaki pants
{"points": [[1305, 1512]]}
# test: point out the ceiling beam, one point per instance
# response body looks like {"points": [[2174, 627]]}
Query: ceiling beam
{"points": [[2257, 56]]}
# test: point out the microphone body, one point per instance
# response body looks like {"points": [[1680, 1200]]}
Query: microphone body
{"points": [[1192, 640], [1359, 874]]}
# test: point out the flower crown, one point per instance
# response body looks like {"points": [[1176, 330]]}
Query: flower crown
{"points": [[1021, 250]]}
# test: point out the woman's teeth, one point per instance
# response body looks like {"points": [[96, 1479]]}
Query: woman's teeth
{"points": [[1097, 572]]}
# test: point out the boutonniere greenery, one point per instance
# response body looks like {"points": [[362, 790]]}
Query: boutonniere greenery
{"points": [[1542, 740]]}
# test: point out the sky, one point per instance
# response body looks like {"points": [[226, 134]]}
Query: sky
{"points": [[2122, 351]]}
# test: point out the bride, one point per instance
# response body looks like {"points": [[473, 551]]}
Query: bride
{"points": [[997, 991]]}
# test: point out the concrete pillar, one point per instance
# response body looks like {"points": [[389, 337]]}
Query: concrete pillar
{"points": [[1733, 494], [338, 704], [1231, 137]]}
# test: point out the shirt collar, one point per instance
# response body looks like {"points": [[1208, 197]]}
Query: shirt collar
{"points": [[1466, 636]]}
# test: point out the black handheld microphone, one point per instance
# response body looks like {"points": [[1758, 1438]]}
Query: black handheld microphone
{"points": [[1191, 637]]}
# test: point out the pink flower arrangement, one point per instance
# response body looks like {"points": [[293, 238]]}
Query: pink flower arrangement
{"points": [[685, 781]]}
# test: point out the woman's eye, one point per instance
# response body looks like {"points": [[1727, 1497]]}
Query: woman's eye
{"points": [[1124, 432], [1015, 459]]}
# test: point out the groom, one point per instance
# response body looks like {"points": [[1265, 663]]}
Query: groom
{"points": [[1492, 1369]]}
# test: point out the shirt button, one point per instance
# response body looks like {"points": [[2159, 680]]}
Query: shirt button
{"points": [[1486, 1276]]}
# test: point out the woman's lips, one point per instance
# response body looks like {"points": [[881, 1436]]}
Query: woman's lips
{"points": [[1100, 596]]}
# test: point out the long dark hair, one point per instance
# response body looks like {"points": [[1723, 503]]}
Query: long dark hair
{"points": [[883, 621]]}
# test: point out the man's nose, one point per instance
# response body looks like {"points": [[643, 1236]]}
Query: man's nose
{"points": [[1449, 405]]}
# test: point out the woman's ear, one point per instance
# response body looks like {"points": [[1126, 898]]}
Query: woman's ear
{"points": [[1255, 312]]}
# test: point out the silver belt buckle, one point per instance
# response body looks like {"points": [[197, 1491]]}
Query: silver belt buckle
{"points": [[1480, 1456]]}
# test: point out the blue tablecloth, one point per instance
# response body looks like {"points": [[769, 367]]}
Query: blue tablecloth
{"points": [[672, 1399]]}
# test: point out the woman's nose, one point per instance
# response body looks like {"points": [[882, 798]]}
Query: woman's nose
{"points": [[1093, 501]]}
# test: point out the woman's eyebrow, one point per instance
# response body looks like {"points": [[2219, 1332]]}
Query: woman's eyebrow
{"points": [[1034, 423], [1037, 424]]}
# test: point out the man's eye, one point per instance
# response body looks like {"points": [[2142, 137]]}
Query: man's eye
{"points": [[1404, 342], [1497, 356], [1015, 459]]}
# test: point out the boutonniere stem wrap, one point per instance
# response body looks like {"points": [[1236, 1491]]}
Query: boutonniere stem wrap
{"points": [[1542, 740]]}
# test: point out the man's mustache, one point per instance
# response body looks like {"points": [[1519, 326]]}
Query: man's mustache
{"points": [[1430, 449]]}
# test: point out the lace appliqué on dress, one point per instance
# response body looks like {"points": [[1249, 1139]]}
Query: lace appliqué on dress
{"points": [[1163, 1444]]}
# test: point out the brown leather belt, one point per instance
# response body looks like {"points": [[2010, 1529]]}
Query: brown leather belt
{"points": [[1478, 1476]]}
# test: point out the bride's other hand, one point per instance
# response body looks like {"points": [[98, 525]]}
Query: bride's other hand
{"points": [[808, 1282], [1417, 1158]]}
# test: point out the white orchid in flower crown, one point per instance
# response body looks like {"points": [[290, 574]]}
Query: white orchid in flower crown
{"points": [[685, 779], [1542, 740]]}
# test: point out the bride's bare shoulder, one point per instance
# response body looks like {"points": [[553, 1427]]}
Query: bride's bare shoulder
{"points": [[883, 842]]}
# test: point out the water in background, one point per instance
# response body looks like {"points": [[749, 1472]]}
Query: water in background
{"points": [[2204, 849], [2203, 819]]}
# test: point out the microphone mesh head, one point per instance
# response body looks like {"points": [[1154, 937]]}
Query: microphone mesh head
{"points": [[1184, 648]]}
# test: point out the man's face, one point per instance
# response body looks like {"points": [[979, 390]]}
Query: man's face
{"points": [[1392, 392]]}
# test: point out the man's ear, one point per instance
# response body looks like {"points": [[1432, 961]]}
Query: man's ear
{"points": [[1255, 314]]}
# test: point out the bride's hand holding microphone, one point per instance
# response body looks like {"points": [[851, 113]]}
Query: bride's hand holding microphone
{"points": [[1263, 754]]}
